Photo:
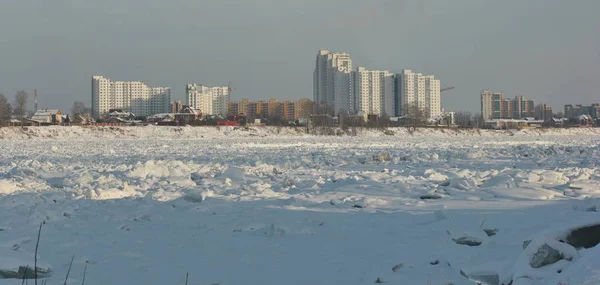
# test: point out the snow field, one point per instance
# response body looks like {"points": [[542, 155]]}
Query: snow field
{"points": [[255, 207]]}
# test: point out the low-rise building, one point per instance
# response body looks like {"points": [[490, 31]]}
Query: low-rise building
{"points": [[47, 116]]}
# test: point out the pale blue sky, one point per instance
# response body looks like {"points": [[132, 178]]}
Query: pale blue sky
{"points": [[548, 50]]}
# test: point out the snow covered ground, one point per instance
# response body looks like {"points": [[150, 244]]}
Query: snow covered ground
{"points": [[145, 205]]}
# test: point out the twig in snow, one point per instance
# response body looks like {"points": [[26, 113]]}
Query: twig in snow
{"points": [[69, 271], [84, 272], [37, 244], [186, 277]]}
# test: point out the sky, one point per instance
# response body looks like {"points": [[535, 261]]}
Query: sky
{"points": [[546, 50]]}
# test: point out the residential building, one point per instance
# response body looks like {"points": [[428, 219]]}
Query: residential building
{"points": [[332, 83], [233, 108], [208, 100], [274, 109], [243, 107], [303, 109], [289, 110], [176, 106], [417, 93], [251, 110], [543, 112], [132, 96], [47, 116], [262, 109], [522, 108], [374, 90], [574, 111], [495, 106]]}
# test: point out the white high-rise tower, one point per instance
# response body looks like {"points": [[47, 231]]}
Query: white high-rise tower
{"points": [[208, 100], [374, 90], [130, 96], [333, 82], [418, 92]]}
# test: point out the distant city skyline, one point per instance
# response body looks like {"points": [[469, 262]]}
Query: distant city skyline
{"points": [[545, 50]]}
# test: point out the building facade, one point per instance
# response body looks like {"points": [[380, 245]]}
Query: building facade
{"points": [[289, 110], [522, 108], [332, 83], [303, 109], [543, 112], [273, 109], [495, 106], [176, 106], [374, 90], [233, 108], [574, 111], [417, 93], [208, 100], [131, 96]]}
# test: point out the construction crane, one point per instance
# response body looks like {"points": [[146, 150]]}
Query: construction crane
{"points": [[446, 89], [230, 89]]}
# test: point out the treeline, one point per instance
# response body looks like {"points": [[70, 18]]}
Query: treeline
{"points": [[18, 109]]}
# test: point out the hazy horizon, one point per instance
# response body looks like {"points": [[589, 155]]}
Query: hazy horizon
{"points": [[546, 50]]}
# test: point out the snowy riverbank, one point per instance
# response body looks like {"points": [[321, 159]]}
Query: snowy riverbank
{"points": [[233, 208], [165, 132]]}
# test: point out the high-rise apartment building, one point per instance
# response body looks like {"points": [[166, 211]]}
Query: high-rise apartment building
{"points": [[339, 89], [494, 106], [208, 100], [332, 83], [374, 91], [130, 96], [522, 108], [417, 93], [543, 112]]}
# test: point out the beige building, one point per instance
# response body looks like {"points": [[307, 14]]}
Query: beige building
{"points": [[47, 116]]}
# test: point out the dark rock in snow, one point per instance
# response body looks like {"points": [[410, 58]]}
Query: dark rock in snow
{"points": [[490, 232], [431, 196], [435, 262], [545, 255], [469, 241], [379, 280], [488, 278], [193, 197], [357, 206], [526, 243], [397, 267]]}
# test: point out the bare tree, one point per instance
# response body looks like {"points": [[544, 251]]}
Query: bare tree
{"points": [[20, 109], [322, 108], [415, 115], [478, 121], [5, 108], [463, 119], [79, 108]]}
